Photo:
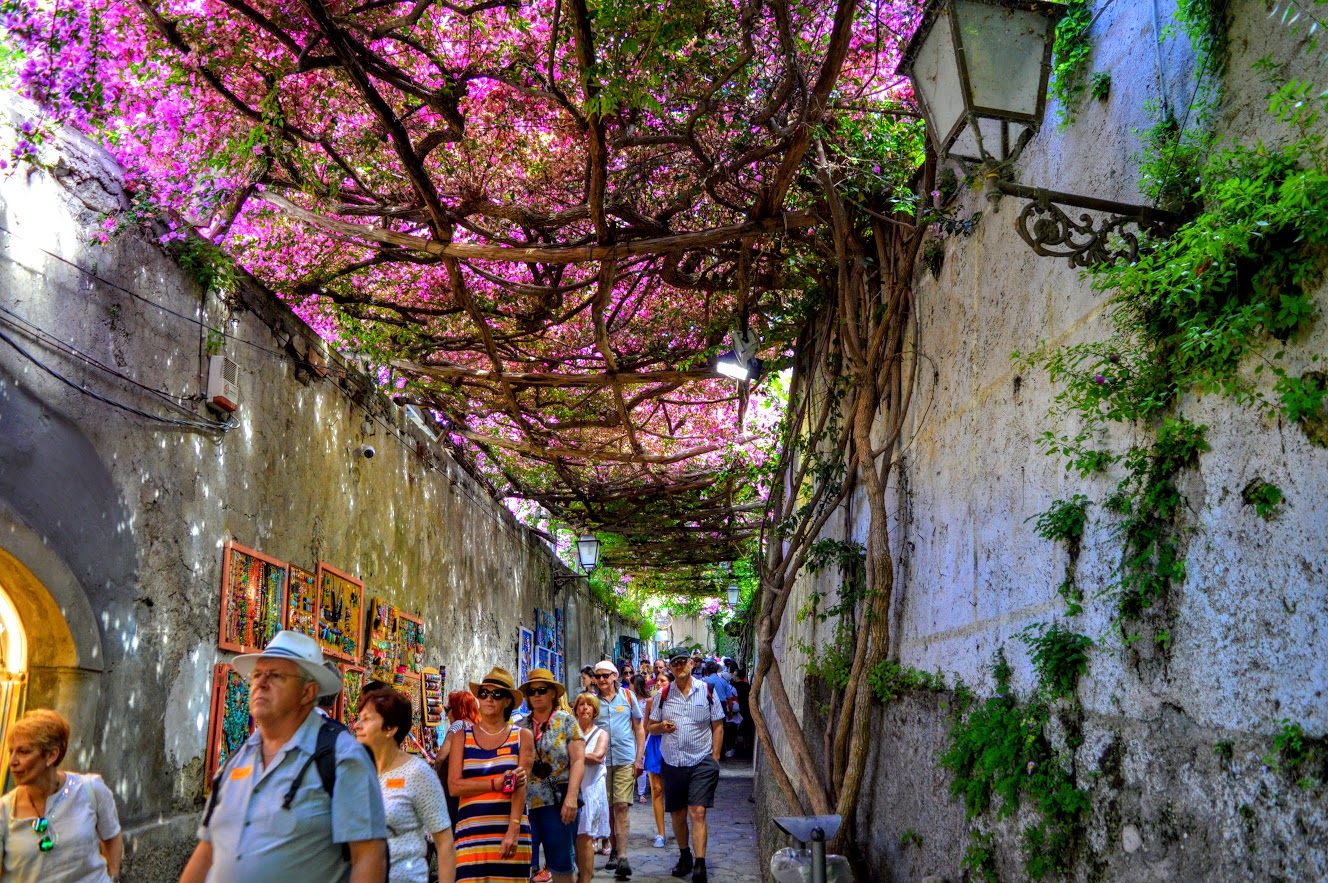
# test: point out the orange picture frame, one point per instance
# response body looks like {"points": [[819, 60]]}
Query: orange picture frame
{"points": [[238, 630], [340, 613]]}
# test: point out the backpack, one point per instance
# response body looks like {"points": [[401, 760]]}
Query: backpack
{"points": [[324, 756]]}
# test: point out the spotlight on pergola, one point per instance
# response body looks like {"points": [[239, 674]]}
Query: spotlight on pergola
{"points": [[979, 69], [587, 551], [741, 363]]}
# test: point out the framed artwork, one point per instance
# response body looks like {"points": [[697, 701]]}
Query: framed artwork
{"points": [[558, 673], [539, 627], [543, 657], [340, 613], [352, 684], [410, 643], [559, 631], [230, 724], [410, 688], [525, 653], [253, 598], [302, 602]]}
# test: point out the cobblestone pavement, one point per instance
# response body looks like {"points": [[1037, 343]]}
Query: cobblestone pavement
{"points": [[731, 854]]}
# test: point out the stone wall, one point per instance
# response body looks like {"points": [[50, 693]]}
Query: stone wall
{"points": [[1247, 647], [112, 524]]}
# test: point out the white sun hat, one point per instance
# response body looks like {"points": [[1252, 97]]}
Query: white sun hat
{"points": [[299, 649]]}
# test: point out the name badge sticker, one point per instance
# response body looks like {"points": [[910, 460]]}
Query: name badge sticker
{"points": [[396, 783], [241, 772]]}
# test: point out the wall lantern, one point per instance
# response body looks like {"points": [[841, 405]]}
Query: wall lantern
{"points": [[587, 551], [979, 69], [734, 595]]}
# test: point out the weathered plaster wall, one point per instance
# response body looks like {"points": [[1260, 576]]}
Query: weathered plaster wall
{"points": [[122, 519], [1248, 646]]}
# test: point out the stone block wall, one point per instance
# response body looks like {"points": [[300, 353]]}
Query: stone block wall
{"points": [[1246, 651], [120, 519]]}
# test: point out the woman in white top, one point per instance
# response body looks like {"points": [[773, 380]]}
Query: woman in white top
{"points": [[56, 827], [412, 795], [595, 812]]}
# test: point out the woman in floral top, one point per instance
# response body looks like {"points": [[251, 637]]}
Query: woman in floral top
{"points": [[553, 792]]}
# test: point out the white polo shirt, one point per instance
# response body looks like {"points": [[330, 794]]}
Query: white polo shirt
{"points": [[692, 741]]}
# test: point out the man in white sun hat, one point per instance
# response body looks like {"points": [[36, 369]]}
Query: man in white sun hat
{"points": [[621, 717], [299, 800]]}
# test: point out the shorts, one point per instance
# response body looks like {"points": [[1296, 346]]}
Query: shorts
{"points": [[620, 781], [686, 786]]}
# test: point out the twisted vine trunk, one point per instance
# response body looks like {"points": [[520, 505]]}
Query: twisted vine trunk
{"points": [[861, 344]]}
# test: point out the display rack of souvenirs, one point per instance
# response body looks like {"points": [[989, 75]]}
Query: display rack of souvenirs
{"points": [[230, 724], [409, 685], [410, 642], [340, 613], [433, 683], [253, 597], [352, 684], [302, 602]]}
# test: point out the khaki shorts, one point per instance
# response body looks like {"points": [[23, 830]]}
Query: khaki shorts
{"points": [[621, 784]]}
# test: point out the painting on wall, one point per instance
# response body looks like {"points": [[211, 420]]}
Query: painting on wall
{"points": [[253, 598], [340, 613], [230, 723], [543, 658]]}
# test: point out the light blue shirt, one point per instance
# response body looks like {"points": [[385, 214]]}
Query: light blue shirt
{"points": [[615, 716], [723, 689], [255, 840]]}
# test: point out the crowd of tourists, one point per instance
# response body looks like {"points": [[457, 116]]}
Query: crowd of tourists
{"points": [[528, 784]]}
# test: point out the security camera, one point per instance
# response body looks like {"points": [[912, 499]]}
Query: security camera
{"points": [[367, 451]]}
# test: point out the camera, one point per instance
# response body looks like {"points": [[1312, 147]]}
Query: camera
{"points": [[367, 451]]}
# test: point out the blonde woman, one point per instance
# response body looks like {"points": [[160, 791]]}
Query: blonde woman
{"points": [[594, 821], [56, 827]]}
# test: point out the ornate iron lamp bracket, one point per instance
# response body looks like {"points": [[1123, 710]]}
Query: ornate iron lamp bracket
{"points": [[1050, 232]]}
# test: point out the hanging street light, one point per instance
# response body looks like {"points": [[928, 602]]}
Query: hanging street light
{"points": [[587, 551], [979, 69], [741, 363], [734, 595]]}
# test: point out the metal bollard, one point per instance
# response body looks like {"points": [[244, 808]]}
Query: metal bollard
{"points": [[818, 855]]}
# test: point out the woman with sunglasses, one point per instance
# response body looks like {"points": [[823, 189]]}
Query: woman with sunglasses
{"points": [[57, 827], [555, 779], [487, 771]]}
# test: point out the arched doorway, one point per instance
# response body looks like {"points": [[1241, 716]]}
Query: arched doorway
{"points": [[42, 663], [13, 665]]}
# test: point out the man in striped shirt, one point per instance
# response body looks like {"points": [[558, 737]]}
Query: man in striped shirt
{"points": [[690, 721]]}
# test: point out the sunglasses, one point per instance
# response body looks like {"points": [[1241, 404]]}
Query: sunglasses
{"points": [[680, 663], [603, 675], [40, 826], [537, 691], [486, 693]]}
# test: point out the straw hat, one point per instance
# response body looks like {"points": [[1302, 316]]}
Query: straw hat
{"points": [[499, 678], [299, 649], [544, 676]]}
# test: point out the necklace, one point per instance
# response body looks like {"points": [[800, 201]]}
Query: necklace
{"points": [[493, 732], [388, 766]]}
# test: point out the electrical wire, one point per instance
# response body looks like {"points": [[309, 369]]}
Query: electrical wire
{"points": [[18, 323], [170, 421]]}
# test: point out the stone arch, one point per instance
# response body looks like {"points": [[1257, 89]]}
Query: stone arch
{"points": [[65, 659]]}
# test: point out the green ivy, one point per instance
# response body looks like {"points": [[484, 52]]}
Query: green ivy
{"points": [[1070, 59], [1059, 656], [889, 680], [1000, 756], [1264, 497]]}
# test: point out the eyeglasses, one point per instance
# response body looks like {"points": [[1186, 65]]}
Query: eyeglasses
{"points": [[603, 676], [39, 826], [538, 691], [486, 693], [275, 677]]}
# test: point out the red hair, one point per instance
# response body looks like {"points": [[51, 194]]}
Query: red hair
{"points": [[463, 706]]}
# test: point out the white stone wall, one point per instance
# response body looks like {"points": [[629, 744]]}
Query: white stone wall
{"points": [[1251, 621]]}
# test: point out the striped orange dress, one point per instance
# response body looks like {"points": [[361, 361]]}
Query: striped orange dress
{"points": [[482, 820]]}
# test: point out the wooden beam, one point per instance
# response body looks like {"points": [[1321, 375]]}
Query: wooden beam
{"points": [[558, 254]]}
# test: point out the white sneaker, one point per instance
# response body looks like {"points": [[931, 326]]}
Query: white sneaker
{"points": [[659, 841]]}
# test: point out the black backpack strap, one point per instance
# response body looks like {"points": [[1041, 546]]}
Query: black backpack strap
{"points": [[325, 756], [215, 796]]}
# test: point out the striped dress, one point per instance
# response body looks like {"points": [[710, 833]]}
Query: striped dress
{"points": [[482, 819]]}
